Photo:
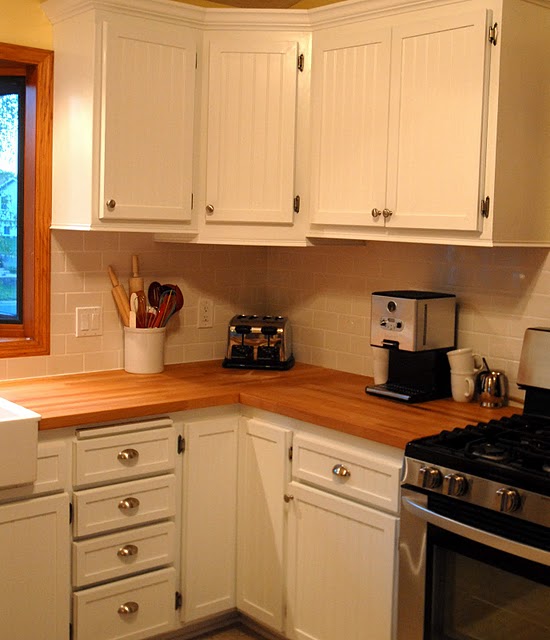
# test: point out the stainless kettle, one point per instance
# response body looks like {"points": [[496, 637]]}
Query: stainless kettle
{"points": [[492, 387]]}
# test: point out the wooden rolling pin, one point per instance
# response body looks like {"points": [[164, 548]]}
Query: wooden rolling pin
{"points": [[121, 299], [135, 282]]}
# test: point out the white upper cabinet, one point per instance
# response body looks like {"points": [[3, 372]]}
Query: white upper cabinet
{"points": [[398, 122], [123, 118], [350, 77], [253, 134], [251, 129], [450, 149]]}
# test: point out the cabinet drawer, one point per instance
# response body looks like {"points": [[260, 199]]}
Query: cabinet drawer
{"points": [[50, 473], [122, 554], [351, 472], [134, 608], [127, 504], [124, 456]]}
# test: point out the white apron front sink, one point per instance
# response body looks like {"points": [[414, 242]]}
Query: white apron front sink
{"points": [[18, 444]]}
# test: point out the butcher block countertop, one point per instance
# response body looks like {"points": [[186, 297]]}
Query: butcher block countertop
{"points": [[325, 397]]}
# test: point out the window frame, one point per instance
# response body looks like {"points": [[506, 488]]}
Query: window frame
{"points": [[32, 336]]}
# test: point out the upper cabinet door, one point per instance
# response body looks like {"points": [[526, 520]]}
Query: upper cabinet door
{"points": [[437, 133], [350, 94], [252, 91], [148, 83]]}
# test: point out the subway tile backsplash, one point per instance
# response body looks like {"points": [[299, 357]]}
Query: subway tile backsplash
{"points": [[325, 290]]}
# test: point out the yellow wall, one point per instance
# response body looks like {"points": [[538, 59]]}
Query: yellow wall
{"points": [[23, 22]]}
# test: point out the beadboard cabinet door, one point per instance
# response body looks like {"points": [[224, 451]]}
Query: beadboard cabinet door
{"points": [[437, 130], [34, 561], [399, 122], [341, 568], [264, 471], [350, 91], [147, 135], [209, 518], [252, 105]]}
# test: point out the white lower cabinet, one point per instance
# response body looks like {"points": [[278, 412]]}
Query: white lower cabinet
{"points": [[264, 470], [209, 516], [341, 564], [34, 589], [138, 607], [124, 526]]}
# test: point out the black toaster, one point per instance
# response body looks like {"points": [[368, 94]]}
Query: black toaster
{"points": [[259, 342]]}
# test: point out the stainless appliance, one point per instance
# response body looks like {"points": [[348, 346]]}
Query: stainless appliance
{"points": [[259, 342], [474, 552], [418, 329]]}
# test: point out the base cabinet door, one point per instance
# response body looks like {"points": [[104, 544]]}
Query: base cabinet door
{"points": [[209, 517], [341, 565], [264, 469], [34, 561]]}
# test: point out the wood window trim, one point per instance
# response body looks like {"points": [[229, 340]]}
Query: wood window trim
{"points": [[32, 337]]}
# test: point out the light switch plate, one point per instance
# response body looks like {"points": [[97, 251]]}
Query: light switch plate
{"points": [[89, 321]]}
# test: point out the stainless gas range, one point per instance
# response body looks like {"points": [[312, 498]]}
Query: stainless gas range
{"points": [[475, 528]]}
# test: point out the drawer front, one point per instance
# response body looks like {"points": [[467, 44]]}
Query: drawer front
{"points": [[51, 473], [123, 505], [134, 608], [122, 554], [124, 456], [348, 472]]}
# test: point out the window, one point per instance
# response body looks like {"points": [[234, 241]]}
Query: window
{"points": [[26, 82]]}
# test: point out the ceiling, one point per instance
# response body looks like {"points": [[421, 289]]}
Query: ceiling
{"points": [[259, 4]]}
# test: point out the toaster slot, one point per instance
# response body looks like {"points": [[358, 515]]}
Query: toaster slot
{"points": [[242, 351]]}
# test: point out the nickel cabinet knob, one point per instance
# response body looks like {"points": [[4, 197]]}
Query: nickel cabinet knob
{"points": [[128, 608], [127, 551], [376, 213], [128, 503], [387, 213], [128, 454], [341, 471], [110, 204], [210, 209]]}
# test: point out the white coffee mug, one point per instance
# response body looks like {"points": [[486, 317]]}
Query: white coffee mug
{"points": [[464, 361], [463, 386]]}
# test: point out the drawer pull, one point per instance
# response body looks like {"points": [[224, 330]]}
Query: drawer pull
{"points": [[341, 471], [127, 608], [128, 454], [128, 503], [288, 498], [127, 550]]}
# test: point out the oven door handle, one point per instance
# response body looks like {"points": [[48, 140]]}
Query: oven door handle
{"points": [[477, 535]]}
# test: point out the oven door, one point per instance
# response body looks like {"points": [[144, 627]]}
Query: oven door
{"points": [[458, 582]]}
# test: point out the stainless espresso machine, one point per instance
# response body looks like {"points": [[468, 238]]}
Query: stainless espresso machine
{"points": [[418, 329]]}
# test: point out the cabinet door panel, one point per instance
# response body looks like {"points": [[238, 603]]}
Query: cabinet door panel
{"points": [[34, 556], [341, 568], [263, 475], [436, 143], [251, 130], [350, 124], [148, 98], [209, 517]]}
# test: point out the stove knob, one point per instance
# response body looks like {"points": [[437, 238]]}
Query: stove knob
{"points": [[455, 485], [430, 477], [508, 500]]}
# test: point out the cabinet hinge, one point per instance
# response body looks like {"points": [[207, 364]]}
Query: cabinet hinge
{"points": [[485, 204], [70, 512], [181, 444], [290, 452], [297, 204], [179, 600], [301, 62], [493, 34]]}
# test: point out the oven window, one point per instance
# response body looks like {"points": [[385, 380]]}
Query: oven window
{"points": [[479, 593]]}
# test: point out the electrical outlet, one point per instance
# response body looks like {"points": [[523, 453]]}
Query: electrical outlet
{"points": [[206, 313], [89, 321]]}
